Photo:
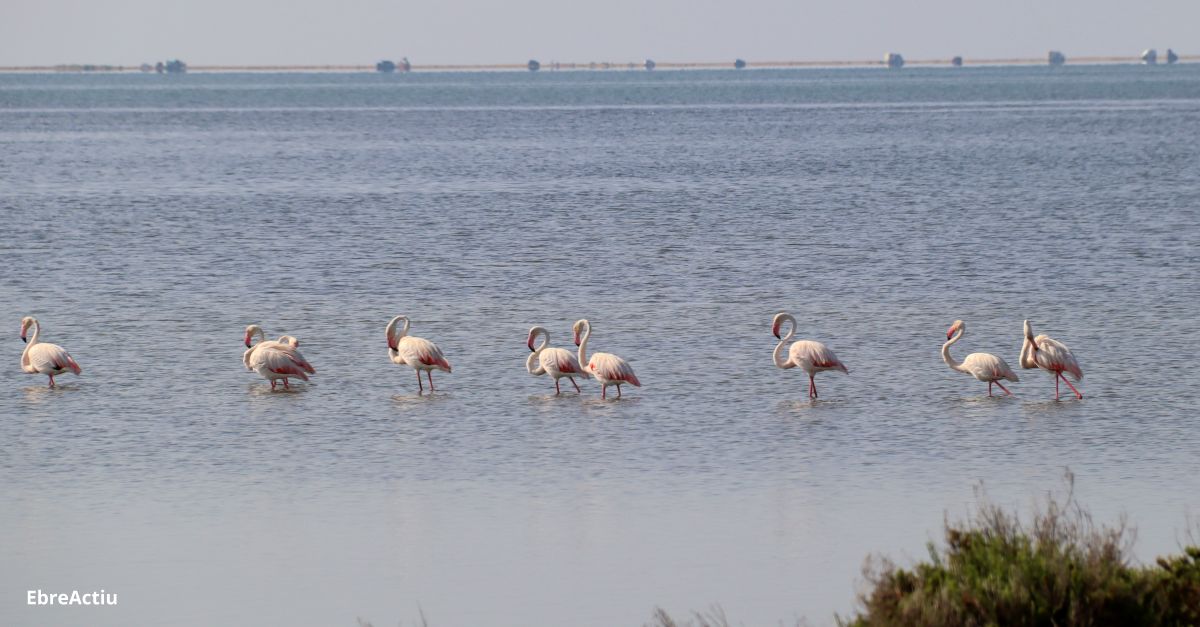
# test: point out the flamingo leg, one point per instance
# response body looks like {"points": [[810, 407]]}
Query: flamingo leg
{"points": [[51, 380], [1057, 376], [1001, 387], [572, 379], [1077, 394], [429, 374], [285, 384], [556, 390], [420, 386], [812, 387], [989, 389], [618, 390], [272, 384], [603, 392]]}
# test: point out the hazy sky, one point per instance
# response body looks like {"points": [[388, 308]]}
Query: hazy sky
{"points": [[40, 32]]}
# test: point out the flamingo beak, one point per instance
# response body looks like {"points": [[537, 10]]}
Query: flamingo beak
{"points": [[247, 340], [530, 344], [577, 339], [775, 330], [949, 333], [23, 338]]}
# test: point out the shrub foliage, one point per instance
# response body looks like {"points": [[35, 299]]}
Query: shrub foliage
{"points": [[1060, 570]]}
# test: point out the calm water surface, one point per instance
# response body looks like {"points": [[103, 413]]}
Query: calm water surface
{"points": [[148, 219]]}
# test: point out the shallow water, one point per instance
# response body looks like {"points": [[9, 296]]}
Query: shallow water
{"points": [[150, 218]]}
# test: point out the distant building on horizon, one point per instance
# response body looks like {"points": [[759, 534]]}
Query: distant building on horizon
{"points": [[1056, 58], [894, 60], [1171, 56], [956, 61], [739, 64], [1149, 56], [533, 65]]}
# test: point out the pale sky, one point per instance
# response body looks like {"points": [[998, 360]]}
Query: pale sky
{"points": [[304, 32]]}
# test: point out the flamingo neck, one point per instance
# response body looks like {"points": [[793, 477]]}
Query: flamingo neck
{"points": [[537, 351], [950, 361], [37, 330], [587, 333], [392, 336], [777, 356], [1028, 357]]}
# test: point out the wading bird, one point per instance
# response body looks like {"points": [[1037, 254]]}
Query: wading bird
{"points": [[275, 359], [811, 357], [44, 358], [1049, 355], [983, 366], [606, 367], [414, 352], [557, 362]]}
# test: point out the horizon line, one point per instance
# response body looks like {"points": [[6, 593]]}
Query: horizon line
{"points": [[588, 65]]}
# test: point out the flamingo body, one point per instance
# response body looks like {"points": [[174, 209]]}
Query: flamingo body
{"points": [[608, 369], [985, 367], [43, 357], [275, 359], [808, 355], [417, 353], [556, 362], [1052, 356]]}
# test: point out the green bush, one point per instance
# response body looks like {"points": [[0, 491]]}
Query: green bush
{"points": [[1059, 570]]}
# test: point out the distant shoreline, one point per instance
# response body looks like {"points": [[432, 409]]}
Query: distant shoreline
{"points": [[552, 66]]}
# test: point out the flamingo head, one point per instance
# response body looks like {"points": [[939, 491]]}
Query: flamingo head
{"points": [[26, 322], [1028, 330], [289, 340], [577, 330], [532, 336], [958, 325], [250, 332], [392, 343]]}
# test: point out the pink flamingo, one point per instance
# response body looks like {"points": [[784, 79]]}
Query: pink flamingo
{"points": [[606, 367], [1052, 356], [43, 358], [558, 362], [275, 359], [810, 356], [983, 366], [417, 353]]}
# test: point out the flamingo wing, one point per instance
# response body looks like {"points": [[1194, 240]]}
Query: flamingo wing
{"points": [[49, 358], [817, 354], [988, 367], [563, 360], [421, 351], [1055, 356], [612, 368], [281, 362]]}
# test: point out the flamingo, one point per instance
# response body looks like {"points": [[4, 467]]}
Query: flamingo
{"points": [[275, 359], [44, 358], [418, 353], [810, 356], [606, 367], [1049, 355], [254, 329], [983, 366], [559, 362]]}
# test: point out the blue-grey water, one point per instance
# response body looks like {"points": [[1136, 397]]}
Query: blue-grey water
{"points": [[148, 219]]}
